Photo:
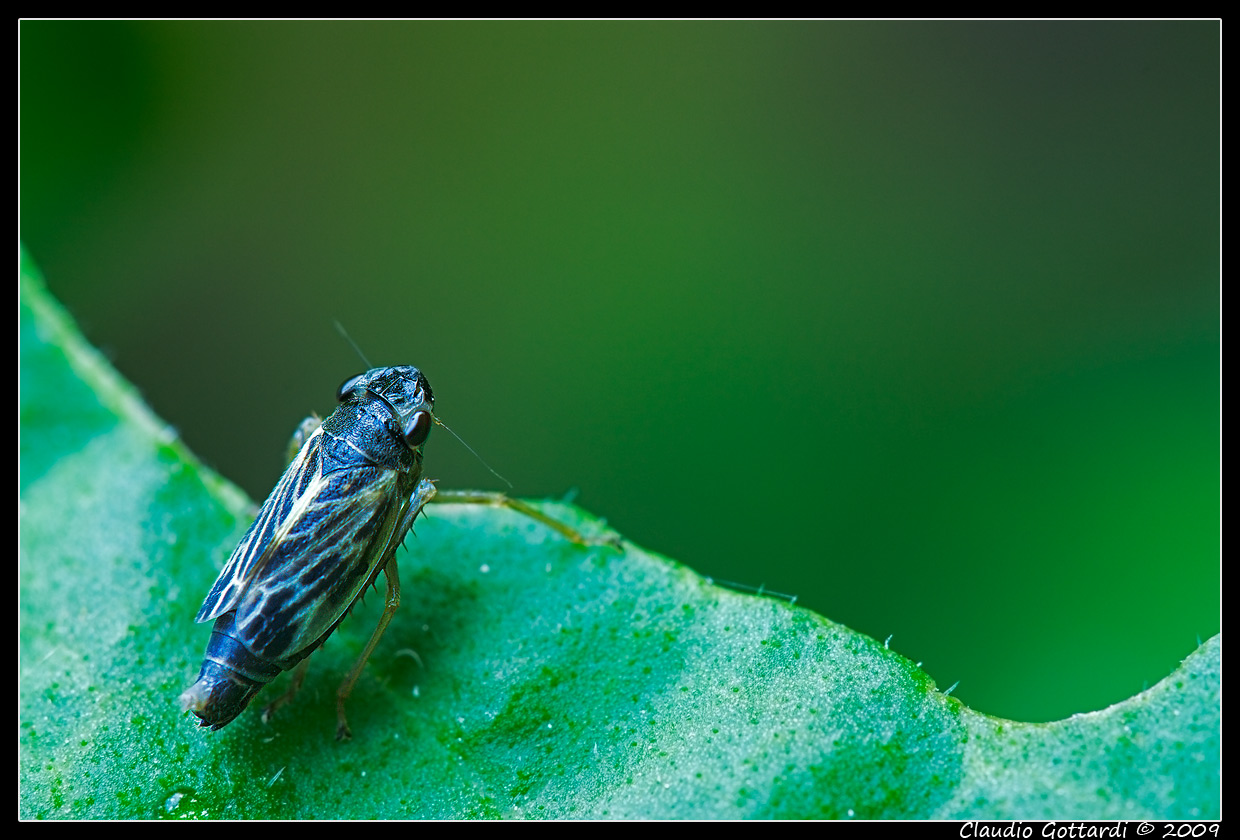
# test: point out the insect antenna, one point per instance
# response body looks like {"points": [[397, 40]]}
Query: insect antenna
{"points": [[439, 422], [345, 335]]}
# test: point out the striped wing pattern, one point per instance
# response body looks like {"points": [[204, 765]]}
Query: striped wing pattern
{"points": [[318, 540], [295, 490]]}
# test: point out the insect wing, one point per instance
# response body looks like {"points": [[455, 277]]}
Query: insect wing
{"points": [[316, 568], [295, 492]]}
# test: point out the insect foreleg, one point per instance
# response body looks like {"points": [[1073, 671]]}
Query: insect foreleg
{"points": [[302, 434], [480, 497]]}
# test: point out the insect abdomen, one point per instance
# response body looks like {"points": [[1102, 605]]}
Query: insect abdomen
{"points": [[229, 678]]}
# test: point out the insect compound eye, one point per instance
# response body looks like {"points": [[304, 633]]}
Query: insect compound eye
{"points": [[418, 428], [347, 387]]}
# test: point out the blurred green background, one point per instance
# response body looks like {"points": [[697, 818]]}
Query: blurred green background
{"points": [[918, 321]]}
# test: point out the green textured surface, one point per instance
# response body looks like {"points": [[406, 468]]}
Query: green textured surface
{"points": [[523, 676], [812, 306]]}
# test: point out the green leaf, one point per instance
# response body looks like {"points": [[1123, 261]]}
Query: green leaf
{"points": [[523, 676]]}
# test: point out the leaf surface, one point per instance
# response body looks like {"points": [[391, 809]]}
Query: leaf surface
{"points": [[523, 676]]}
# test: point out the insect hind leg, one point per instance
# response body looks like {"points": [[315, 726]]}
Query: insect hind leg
{"points": [[423, 493], [299, 676], [391, 603]]}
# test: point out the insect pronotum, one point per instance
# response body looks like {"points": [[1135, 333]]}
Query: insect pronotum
{"points": [[332, 523]]}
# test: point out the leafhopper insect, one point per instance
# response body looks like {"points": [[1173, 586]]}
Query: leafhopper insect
{"points": [[332, 523]]}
